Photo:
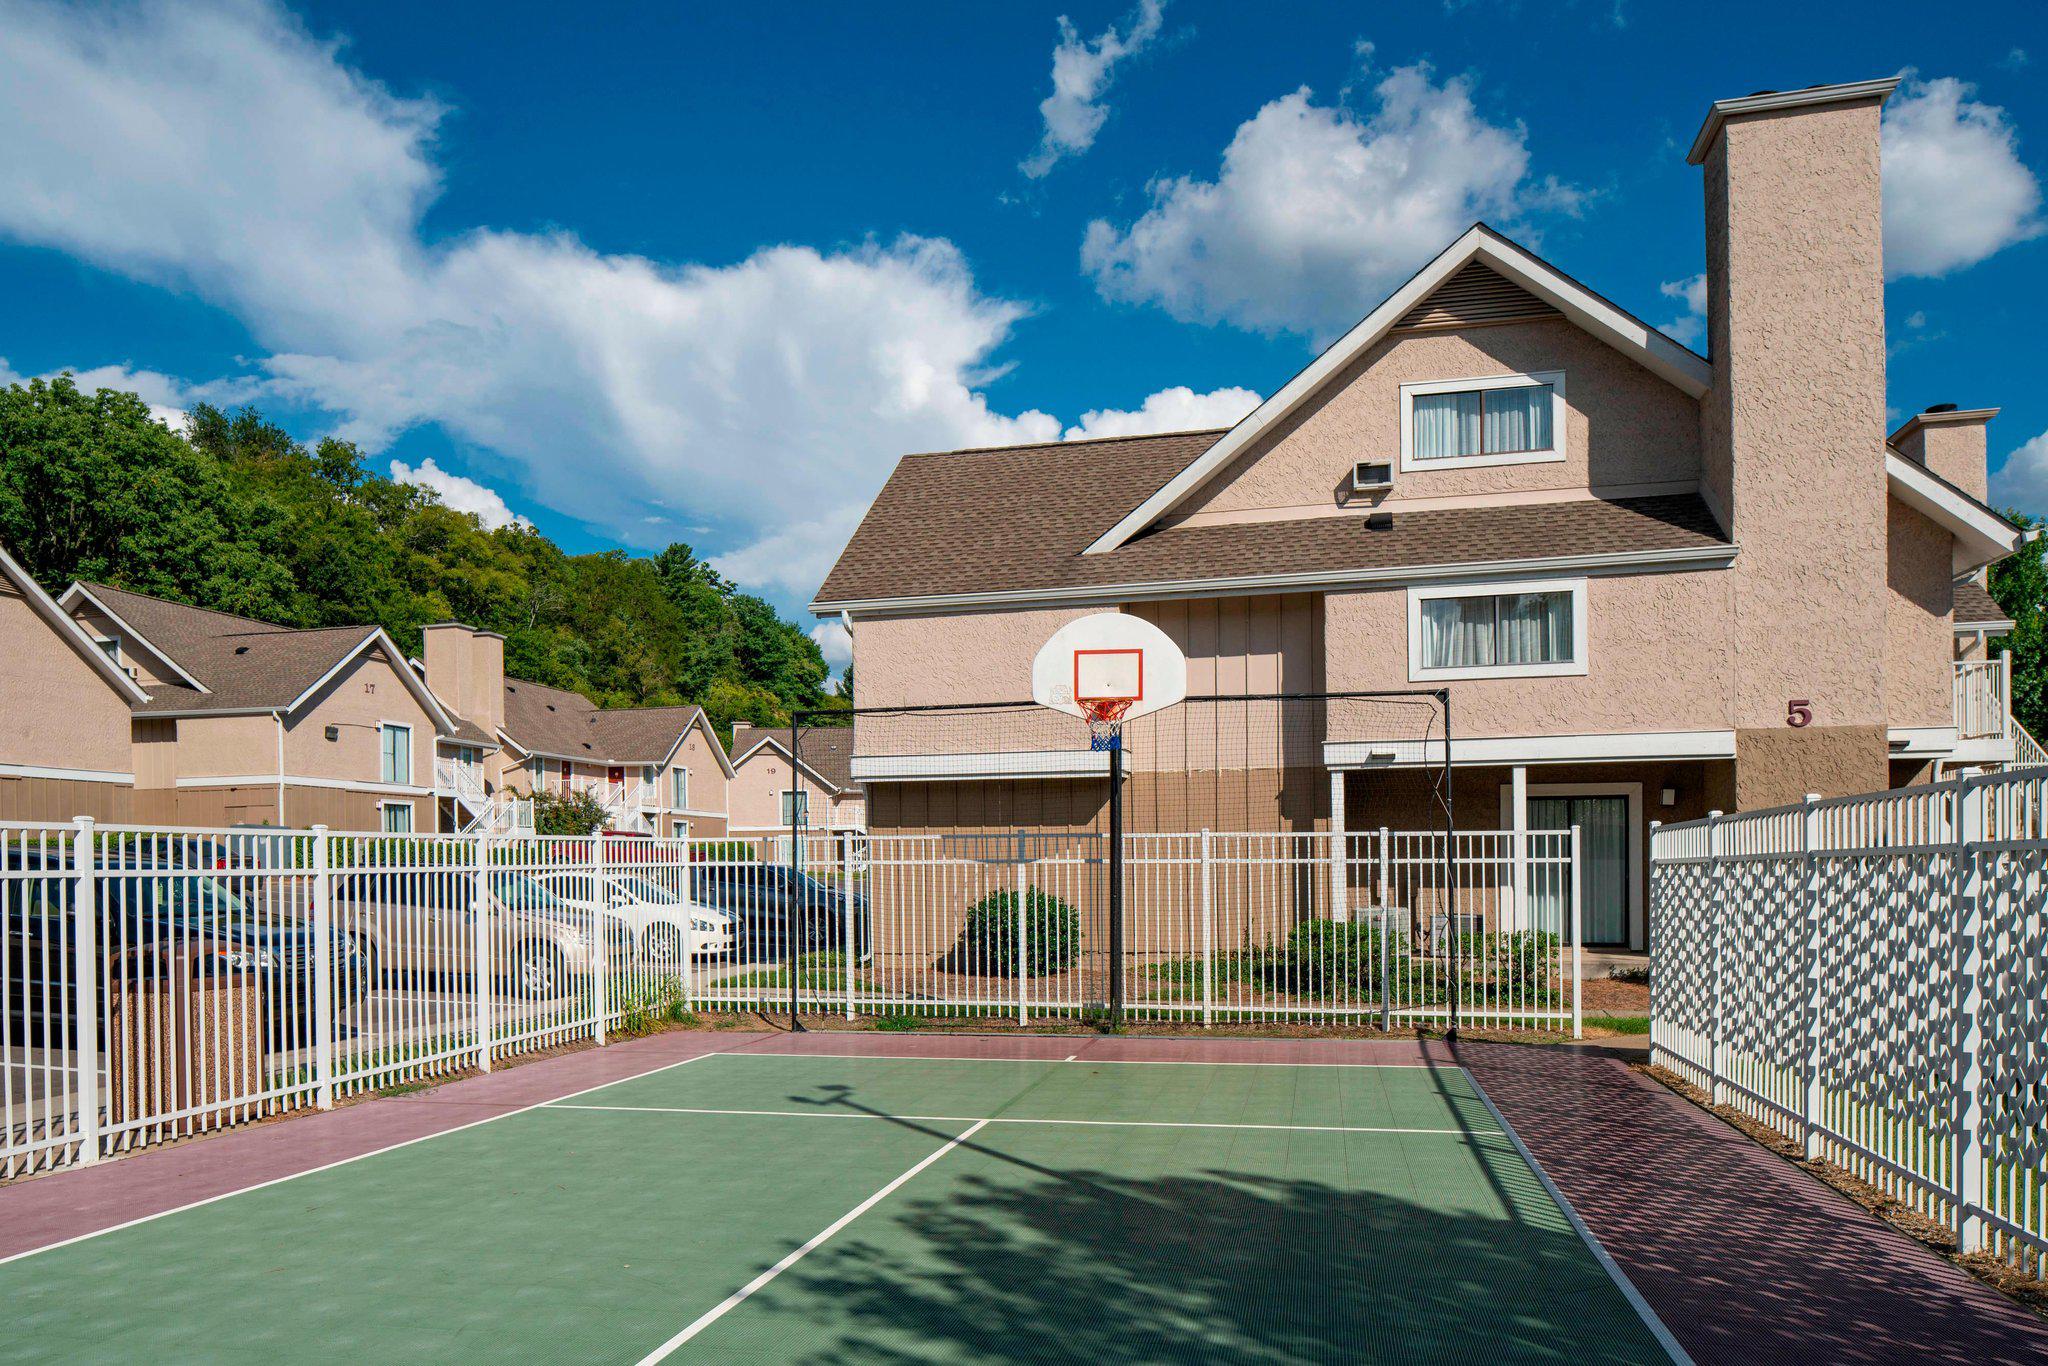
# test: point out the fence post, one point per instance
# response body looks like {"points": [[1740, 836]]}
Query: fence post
{"points": [[1023, 1017], [1810, 1101], [324, 1023], [85, 971], [846, 912], [1208, 935], [1385, 899], [480, 951], [1578, 1019], [1650, 937], [600, 938], [1967, 1168], [1717, 1091]]}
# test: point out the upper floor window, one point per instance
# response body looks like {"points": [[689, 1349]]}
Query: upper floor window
{"points": [[394, 743], [796, 807], [679, 788], [1498, 631], [1501, 420]]}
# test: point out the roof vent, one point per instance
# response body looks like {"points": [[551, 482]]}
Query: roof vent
{"points": [[1939, 408], [1379, 521], [241, 649], [550, 706]]}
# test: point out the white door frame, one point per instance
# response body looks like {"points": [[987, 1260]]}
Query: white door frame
{"points": [[1638, 936]]}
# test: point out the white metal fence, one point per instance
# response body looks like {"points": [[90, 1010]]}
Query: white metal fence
{"points": [[166, 982], [1869, 975]]}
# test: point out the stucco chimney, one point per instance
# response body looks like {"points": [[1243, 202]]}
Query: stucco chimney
{"points": [[1950, 441], [1792, 431], [466, 670]]}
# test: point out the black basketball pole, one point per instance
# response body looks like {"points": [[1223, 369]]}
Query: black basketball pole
{"points": [[1451, 871], [1116, 879]]}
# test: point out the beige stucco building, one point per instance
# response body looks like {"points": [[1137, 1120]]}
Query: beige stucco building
{"points": [[1651, 582], [766, 781]]}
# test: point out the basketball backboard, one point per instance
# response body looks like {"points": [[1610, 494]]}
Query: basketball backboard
{"points": [[1109, 663]]}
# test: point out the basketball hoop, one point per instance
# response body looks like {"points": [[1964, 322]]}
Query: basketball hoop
{"points": [[1106, 721]]}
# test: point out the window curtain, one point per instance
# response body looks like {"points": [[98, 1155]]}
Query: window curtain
{"points": [[1535, 628], [1457, 633], [1518, 420], [397, 755], [1448, 425]]}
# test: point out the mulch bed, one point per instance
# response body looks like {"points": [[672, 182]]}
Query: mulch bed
{"points": [[1936, 1237]]}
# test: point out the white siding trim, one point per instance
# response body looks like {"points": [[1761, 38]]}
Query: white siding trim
{"points": [[1534, 749], [339, 784], [69, 775], [1061, 763]]}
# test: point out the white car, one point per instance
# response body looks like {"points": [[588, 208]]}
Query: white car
{"points": [[662, 921]]}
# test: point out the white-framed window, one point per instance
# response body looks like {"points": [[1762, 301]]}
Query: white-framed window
{"points": [[395, 818], [540, 773], [1475, 423], [1535, 629], [797, 801], [394, 745], [111, 648], [679, 830], [679, 788]]}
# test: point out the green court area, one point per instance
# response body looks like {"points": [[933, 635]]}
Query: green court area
{"points": [[777, 1207]]}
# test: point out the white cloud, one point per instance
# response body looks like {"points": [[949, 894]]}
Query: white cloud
{"points": [[1318, 211], [1955, 189], [2014, 60], [1179, 409], [235, 156], [1690, 326], [1081, 71], [833, 639], [2022, 481], [464, 495]]}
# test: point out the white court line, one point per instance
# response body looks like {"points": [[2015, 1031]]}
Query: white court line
{"points": [[342, 1162], [1013, 1119], [1092, 1061], [1627, 1287], [732, 1301]]}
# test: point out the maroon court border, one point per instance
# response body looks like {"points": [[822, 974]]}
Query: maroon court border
{"points": [[1745, 1258]]}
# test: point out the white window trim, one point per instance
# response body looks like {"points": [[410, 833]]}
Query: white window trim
{"points": [[1554, 378], [675, 834], [382, 807], [1574, 667], [679, 788], [411, 757], [782, 792]]}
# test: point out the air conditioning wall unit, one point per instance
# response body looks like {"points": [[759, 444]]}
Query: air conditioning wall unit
{"points": [[1372, 476]]}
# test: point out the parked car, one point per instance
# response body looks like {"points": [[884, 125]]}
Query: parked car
{"points": [[769, 902], [665, 925], [154, 920], [422, 923]]}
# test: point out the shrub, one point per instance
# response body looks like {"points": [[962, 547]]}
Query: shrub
{"points": [[567, 813], [723, 851], [988, 941]]}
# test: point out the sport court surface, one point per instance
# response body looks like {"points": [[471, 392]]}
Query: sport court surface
{"points": [[780, 1206]]}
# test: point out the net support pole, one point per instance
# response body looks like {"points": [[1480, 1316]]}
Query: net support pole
{"points": [[1116, 881], [796, 905]]}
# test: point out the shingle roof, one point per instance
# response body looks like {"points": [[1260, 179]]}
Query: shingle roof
{"points": [[1018, 518], [827, 750], [1974, 606], [545, 720], [245, 664]]}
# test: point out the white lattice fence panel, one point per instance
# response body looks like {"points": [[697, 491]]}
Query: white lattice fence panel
{"points": [[1763, 947], [2014, 1094], [1885, 1038], [1683, 893]]}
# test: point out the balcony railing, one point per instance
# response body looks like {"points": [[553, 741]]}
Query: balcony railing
{"points": [[1983, 699]]}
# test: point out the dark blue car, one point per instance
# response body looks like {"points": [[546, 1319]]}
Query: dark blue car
{"points": [[768, 901], [153, 921]]}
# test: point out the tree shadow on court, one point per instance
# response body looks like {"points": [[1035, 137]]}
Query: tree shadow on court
{"points": [[1018, 1260]]}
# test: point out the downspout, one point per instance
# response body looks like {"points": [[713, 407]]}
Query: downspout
{"points": [[278, 717]]}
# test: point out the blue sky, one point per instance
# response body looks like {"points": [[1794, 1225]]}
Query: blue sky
{"points": [[700, 273]]}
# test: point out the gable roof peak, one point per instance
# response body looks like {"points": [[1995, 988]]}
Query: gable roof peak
{"points": [[1676, 364]]}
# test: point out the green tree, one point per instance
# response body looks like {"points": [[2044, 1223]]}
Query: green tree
{"points": [[566, 813], [2020, 584], [236, 514]]}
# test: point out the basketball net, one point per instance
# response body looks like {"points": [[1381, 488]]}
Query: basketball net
{"points": [[1105, 720]]}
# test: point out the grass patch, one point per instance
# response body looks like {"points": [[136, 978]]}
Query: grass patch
{"points": [[897, 1024], [403, 1088], [1621, 1024], [814, 972]]}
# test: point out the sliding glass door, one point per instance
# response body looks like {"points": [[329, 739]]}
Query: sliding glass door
{"points": [[1603, 862]]}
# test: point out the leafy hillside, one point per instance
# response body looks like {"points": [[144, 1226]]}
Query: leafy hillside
{"points": [[234, 514]]}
